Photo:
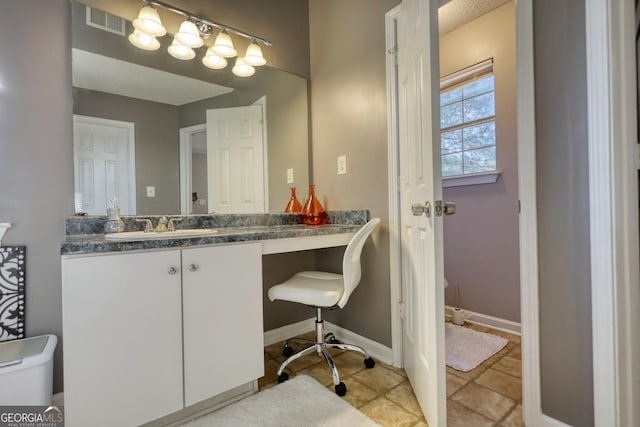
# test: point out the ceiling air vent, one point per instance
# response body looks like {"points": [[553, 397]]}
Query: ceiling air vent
{"points": [[105, 21]]}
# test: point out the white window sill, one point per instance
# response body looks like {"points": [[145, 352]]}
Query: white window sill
{"points": [[474, 179]]}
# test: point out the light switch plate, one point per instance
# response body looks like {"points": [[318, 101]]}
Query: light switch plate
{"points": [[151, 191], [290, 176], [342, 165]]}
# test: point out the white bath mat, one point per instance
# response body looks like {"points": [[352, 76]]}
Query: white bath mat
{"points": [[301, 401], [466, 348]]}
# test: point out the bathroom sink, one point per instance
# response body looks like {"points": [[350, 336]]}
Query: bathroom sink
{"points": [[154, 235]]}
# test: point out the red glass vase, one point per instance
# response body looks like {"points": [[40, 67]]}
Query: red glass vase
{"points": [[313, 213], [294, 205]]}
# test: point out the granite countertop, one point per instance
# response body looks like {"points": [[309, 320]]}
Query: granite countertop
{"points": [[81, 240]]}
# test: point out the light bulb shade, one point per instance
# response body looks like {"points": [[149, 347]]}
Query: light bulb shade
{"points": [[242, 69], [189, 35], [180, 51], [144, 40], [148, 21], [213, 60], [223, 46], [254, 55]]}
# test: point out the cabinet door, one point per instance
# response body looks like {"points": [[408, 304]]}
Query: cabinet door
{"points": [[222, 314], [122, 338]]}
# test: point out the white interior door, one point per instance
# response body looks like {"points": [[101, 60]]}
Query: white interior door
{"points": [[235, 160], [421, 231], [104, 165]]}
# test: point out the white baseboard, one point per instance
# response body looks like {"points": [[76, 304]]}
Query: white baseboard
{"points": [[287, 331], [375, 349], [489, 321], [552, 422]]}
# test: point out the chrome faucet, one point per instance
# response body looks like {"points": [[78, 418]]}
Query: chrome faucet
{"points": [[172, 223], [148, 225], [162, 225]]}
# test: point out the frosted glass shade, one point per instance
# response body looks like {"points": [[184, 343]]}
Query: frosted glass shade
{"points": [[213, 60], [242, 69], [189, 35], [223, 46], [144, 40], [180, 51], [148, 21], [254, 55]]}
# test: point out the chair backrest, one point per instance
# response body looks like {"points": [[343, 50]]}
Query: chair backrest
{"points": [[351, 269]]}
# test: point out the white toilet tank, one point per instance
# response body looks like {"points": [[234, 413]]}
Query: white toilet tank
{"points": [[26, 371]]}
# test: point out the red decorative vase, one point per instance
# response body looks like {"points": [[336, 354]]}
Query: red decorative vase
{"points": [[313, 213], [294, 205]]}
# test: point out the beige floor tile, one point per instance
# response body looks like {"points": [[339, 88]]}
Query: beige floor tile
{"points": [[510, 366], [398, 371], [319, 372], [502, 383], [484, 401], [349, 362], [461, 416], [274, 350], [475, 327], [403, 395], [516, 353], [499, 355], [467, 375], [454, 383], [380, 379], [421, 424], [306, 361], [511, 337], [387, 413], [514, 419], [270, 373], [357, 393]]}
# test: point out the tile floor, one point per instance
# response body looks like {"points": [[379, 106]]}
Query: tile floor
{"points": [[489, 395]]}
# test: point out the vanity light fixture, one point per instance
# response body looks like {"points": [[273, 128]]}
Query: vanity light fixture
{"points": [[190, 36]]}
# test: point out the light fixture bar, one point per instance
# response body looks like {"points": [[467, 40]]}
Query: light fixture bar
{"points": [[207, 21]]}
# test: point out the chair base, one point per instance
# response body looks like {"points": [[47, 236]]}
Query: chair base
{"points": [[321, 345]]}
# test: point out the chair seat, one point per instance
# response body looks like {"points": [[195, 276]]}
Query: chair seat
{"points": [[315, 288]]}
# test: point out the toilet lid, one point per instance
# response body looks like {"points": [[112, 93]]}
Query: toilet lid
{"points": [[12, 352]]}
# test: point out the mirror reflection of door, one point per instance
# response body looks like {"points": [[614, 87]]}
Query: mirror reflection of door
{"points": [[235, 161], [199, 181], [104, 165]]}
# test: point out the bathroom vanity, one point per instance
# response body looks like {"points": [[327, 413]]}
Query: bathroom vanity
{"points": [[171, 326]]}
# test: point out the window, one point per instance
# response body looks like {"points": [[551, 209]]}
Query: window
{"points": [[468, 121]]}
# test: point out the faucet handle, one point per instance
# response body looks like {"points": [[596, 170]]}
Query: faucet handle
{"points": [[148, 225], [172, 223]]}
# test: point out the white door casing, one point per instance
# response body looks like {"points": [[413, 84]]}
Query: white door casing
{"points": [[420, 182], [104, 164], [186, 167], [235, 161]]}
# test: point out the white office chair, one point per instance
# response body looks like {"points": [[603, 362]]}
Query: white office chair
{"points": [[325, 290]]}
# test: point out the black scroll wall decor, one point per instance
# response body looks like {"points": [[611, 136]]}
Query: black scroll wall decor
{"points": [[12, 276]]}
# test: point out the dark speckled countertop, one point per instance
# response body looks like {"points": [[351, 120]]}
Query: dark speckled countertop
{"points": [[84, 236]]}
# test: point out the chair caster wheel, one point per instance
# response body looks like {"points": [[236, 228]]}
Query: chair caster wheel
{"points": [[287, 351], [341, 389], [331, 339], [369, 363], [283, 377]]}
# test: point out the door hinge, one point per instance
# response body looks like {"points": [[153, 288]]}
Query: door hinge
{"points": [[401, 310]]}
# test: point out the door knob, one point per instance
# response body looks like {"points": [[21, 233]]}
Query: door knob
{"points": [[193, 267], [172, 270], [449, 208], [418, 209]]}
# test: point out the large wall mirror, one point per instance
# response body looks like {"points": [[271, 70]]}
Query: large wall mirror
{"points": [[165, 136]]}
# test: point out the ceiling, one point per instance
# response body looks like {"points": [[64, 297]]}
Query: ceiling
{"points": [[453, 14], [104, 74]]}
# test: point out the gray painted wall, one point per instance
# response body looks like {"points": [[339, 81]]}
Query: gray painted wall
{"points": [[563, 211], [157, 138], [36, 164], [349, 117], [481, 239]]}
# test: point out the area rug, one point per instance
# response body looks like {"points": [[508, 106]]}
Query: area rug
{"points": [[301, 401], [465, 348]]}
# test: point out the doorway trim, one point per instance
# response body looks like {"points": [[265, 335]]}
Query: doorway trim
{"points": [[186, 172], [532, 409]]}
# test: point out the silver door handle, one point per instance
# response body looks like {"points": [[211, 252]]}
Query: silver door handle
{"points": [[193, 267], [418, 209], [449, 208], [172, 270]]}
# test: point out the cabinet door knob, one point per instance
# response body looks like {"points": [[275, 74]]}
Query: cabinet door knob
{"points": [[173, 270], [193, 267]]}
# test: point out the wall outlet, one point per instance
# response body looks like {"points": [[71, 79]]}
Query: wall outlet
{"points": [[290, 176], [203, 202], [342, 165], [151, 191]]}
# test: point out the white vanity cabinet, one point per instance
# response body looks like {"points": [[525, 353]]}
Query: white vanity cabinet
{"points": [[149, 333]]}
